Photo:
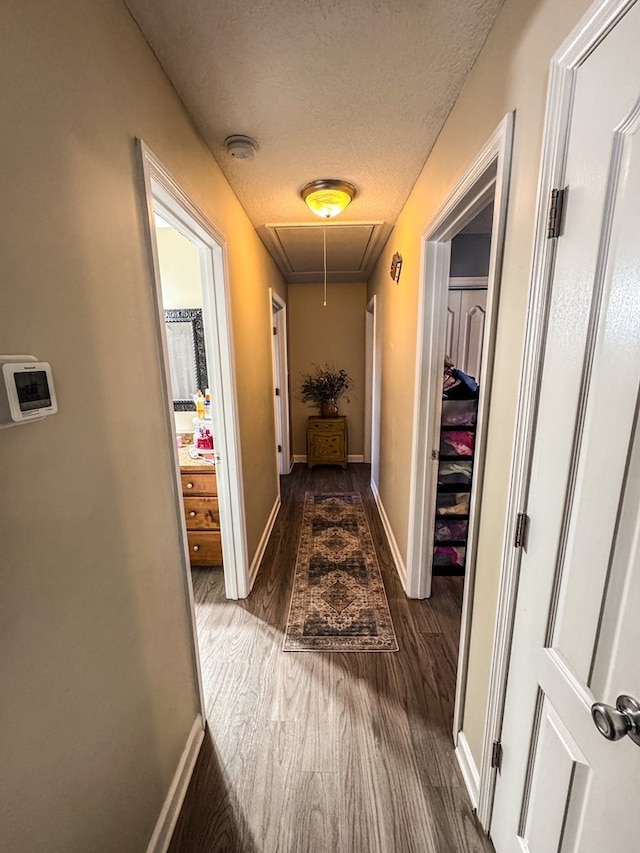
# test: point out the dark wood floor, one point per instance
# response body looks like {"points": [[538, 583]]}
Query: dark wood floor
{"points": [[325, 752]]}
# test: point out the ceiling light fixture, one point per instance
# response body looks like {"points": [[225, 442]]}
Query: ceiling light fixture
{"points": [[327, 198]]}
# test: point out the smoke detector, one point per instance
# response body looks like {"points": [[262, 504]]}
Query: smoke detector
{"points": [[241, 147]]}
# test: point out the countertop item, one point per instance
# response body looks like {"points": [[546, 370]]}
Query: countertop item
{"points": [[187, 461]]}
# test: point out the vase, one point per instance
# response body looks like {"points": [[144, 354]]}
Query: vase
{"points": [[329, 408]]}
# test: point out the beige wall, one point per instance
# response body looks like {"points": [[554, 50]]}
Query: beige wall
{"points": [[179, 261], [98, 688], [333, 334], [510, 74]]}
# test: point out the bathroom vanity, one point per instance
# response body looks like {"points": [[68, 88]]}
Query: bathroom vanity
{"points": [[200, 498]]}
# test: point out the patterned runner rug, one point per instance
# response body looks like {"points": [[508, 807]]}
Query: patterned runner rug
{"points": [[338, 602]]}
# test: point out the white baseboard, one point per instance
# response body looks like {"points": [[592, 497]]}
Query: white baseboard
{"points": [[352, 457], [470, 772], [163, 831], [391, 539], [262, 544]]}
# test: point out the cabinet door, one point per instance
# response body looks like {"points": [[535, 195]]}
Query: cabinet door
{"points": [[473, 312], [327, 446], [453, 325]]}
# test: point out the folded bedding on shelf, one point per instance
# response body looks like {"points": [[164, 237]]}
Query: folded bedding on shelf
{"points": [[456, 443], [448, 555], [454, 503], [446, 531], [454, 473]]}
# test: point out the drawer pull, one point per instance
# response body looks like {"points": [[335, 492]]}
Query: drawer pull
{"points": [[189, 485], [196, 547], [192, 514]]}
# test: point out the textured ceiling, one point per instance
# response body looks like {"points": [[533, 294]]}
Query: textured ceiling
{"points": [[349, 89]]}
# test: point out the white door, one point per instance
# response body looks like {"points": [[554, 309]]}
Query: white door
{"points": [[281, 384], [562, 786], [466, 316], [372, 394]]}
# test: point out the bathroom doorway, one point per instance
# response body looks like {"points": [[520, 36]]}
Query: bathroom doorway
{"points": [[187, 255]]}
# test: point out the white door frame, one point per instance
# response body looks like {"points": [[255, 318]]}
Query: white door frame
{"points": [[280, 361], [368, 374], [593, 27], [373, 374], [487, 178], [162, 193]]}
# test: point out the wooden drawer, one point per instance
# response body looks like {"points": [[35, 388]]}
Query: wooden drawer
{"points": [[326, 448], [326, 425], [205, 548], [201, 513], [199, 483]]}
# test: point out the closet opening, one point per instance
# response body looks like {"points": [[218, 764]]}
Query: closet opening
{"points": [[195, 351], [458, 312], [463, 369]]}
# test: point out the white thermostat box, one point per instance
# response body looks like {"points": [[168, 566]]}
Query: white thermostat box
{"points": [[26, 390]]}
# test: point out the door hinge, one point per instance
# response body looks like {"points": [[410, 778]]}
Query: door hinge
{"points": [[522, 528], [496, 755], [275, 331], [279, 448], [435, 454], [556, 205], [277, 392]]}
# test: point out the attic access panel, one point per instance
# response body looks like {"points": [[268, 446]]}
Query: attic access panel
{"points": [[351, 250]]}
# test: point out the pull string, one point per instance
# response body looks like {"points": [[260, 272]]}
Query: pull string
{"points": [[324, 244]]}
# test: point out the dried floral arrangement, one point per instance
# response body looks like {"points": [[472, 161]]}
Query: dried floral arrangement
{"points": [[324, 384]]}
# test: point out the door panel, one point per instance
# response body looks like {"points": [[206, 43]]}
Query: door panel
{"points": [[453, 325], [472, 321], [555, 765], [464, 334], [563, 786]]}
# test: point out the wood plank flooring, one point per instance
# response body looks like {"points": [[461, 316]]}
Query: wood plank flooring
{"points": [[316, 752]]}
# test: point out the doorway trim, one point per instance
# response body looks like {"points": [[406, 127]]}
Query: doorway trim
{"points": [[601, 17], [487, 178], [280, 364], [163, 193], [372, 393]]}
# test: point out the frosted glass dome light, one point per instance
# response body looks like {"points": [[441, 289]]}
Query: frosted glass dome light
{"points": [[328, 198]]}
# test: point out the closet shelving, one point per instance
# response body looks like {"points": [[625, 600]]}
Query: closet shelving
{"points": [[455, 477]]}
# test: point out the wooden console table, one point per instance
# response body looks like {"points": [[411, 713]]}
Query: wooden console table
{"points": [[327, 441]]}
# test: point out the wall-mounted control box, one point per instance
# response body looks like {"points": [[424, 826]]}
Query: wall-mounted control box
{"points": [[26, 390]]}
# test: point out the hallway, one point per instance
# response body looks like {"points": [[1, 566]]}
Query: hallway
{"points": [[317, 752]]}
